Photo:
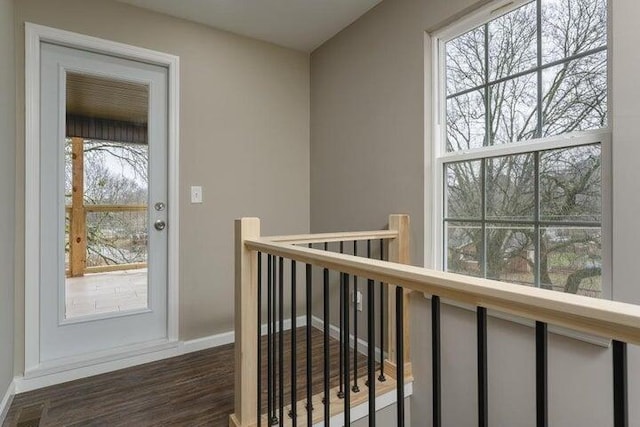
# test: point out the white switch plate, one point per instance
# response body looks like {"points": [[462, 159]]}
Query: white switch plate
{"points": [[196, 194]]}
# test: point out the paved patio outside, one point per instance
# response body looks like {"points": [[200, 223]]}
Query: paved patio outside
{"points": [[100, 293]]}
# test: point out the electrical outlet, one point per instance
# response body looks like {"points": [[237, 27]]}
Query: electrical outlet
{"points": [[357, 300]]}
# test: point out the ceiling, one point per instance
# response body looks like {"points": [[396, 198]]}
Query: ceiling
{"points": [[298, 24], [107, 99]]}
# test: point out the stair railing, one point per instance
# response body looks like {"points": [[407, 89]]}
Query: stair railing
{"points": [[617, 321]]}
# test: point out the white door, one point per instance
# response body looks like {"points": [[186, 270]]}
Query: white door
{"points": [[103, 203]]}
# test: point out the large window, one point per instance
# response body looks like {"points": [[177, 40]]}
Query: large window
{"points": [[522, 114]]}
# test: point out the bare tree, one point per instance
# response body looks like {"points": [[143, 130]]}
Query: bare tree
{"points": [[488, 106], [115, 174]]}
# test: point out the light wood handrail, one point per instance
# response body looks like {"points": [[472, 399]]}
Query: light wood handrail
{"points": [[299, 239], [609, 319], [246, 295], [112, 208]]}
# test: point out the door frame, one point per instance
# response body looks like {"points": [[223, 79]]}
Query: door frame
{"points": [[34, 35]]}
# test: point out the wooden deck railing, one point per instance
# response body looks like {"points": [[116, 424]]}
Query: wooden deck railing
{"points": [[617, 321], [78, 240], [77, 213]]}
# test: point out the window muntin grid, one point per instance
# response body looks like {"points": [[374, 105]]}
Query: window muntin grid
{"points": [[480, 77], [554, 232]]}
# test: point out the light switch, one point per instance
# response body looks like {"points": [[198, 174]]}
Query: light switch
{"points": [[196, 194]]}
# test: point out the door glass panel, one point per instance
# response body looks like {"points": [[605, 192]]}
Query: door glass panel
{"points": [[106, 196]]}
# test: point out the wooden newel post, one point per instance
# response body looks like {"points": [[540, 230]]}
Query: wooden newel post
{"points": [[246, 324], [398, 252]]}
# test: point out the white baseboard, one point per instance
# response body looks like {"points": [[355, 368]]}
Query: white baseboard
{"points": [[229, 337], [362, 410], [300, 321], [205, 343], [6, 401], [334, 332]]}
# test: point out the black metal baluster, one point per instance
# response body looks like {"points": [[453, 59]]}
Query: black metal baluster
{"points": [[269, 343], [274, 348], [400, 353], [309, 373], [281, 339], [341, 310], [436, 361], [371, 345], [381, 377], [259, 349], [355, 387], [347, 392], [542, 407], [620, 387], [294, 388], [483, 391], [327, 365]]}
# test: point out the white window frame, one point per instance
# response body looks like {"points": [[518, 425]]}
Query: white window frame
{"points": [[434, 253]]}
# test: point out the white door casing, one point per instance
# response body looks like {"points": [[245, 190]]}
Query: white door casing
{"points": [[61, 337], [39, 356]]}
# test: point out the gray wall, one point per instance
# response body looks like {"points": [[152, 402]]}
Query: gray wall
{"points": [[244, 136], [7, 194], [369, 124], [626, 174]]}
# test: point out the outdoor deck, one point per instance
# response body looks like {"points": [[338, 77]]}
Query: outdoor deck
{"points": [[97, 293]]}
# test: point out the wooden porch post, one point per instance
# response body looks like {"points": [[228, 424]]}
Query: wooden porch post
{"points": [[398, 252], [246, 325], [78, 229]]}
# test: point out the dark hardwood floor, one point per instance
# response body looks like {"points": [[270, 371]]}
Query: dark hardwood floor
{"points": [[191, 390]]}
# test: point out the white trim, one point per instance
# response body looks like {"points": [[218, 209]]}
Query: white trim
{"points": [[481, 16], [334, 332], [428, 162], [205, 343], [173, 201], [434, 185], [433, 180], [606, 183], [300, 321], [34, 36], [5, 404], [100, 316], [538, 144], [229, 337], [362, 410], [32, 198]]}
